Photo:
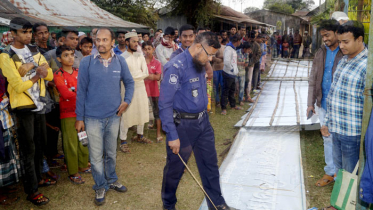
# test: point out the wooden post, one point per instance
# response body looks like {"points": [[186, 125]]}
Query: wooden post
{"points": [[361, 205]]}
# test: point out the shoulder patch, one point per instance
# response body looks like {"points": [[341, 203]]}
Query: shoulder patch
{"points": [[173, 79]]}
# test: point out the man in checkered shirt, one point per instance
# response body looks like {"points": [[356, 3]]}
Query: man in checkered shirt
{"points": [[345, 100]]}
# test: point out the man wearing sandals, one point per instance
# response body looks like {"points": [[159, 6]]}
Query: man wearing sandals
{"points": [[324, 65], [99, 107], [137, 112], [26, 71], [182, 109]]}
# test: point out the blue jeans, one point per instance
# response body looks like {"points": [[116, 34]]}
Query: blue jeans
{"points": [[102, 146], [345, 151], [241, 82], [328, 147], [218, 80]]}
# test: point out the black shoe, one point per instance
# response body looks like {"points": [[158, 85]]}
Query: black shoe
{"points": [[118, 187], [223, 207], [169, 209]]}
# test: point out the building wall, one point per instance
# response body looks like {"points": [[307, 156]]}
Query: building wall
{"points": [[173, 21], [288, 21]]}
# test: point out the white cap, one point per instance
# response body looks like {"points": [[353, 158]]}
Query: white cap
{"points": [[81, 33], [306, 32], [133, 30], [339, 16]]}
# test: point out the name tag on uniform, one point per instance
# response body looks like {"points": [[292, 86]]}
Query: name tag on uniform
{"points": [[195, 93], [194, 80]]}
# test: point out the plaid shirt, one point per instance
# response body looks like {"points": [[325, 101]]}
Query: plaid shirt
{"points": [[104, 61], [5, 117], [345, 100]]}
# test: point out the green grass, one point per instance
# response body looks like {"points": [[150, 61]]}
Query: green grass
{"points": [[313, 169]]}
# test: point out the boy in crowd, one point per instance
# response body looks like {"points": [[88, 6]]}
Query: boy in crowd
{"points": [[151, 82], [76, 155], [26, 71], [86, 45], [285, 48]]}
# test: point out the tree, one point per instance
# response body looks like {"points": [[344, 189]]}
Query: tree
{"points": [[137, 11], [250, 9], [281, 7], [295, 4], [197, 12]]}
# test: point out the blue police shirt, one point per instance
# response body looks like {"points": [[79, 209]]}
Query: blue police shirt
{"points": [[182, 89], [327, 78]]}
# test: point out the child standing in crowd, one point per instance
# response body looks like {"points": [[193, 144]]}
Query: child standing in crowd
{"points": [[285, 47], [86, 45], [76, 155], [151, 82]]}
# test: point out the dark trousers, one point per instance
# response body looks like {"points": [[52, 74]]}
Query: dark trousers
{"points": [[195, 135], [295, 53], [255, 78], [229, 89], [32, 139], [53, 119]]}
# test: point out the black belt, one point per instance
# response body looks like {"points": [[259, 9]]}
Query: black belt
{"points": [[191, 116]]}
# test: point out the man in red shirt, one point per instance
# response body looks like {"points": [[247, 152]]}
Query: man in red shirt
{"points": [[76, 155], [151, 82]]}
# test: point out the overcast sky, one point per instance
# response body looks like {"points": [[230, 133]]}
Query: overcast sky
{"points": [[236, 4]]}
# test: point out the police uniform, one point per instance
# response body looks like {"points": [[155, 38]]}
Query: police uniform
{"points": [[182, 109]]}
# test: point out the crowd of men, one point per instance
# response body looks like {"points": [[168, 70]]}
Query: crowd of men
{"points": [[88, 86]]}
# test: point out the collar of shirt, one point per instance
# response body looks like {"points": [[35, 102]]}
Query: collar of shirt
{"points": [[189, 57], [336, 49], [356, 58], [97, 55], [105, 62]]}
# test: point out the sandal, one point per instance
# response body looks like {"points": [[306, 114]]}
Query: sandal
{"points": [[47, 182], [249, 100], [224, 112], [5, 200], [37, 199], [87, 171], [325, 180], [237, 108], [124, 148], [159, 139], [52, 175], [76, 179], [142, 140]]}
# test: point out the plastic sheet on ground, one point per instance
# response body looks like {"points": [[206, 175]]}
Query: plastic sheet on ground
{"points": [[263, 171]]}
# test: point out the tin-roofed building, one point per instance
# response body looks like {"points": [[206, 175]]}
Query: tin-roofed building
{"points": [[83, 14]]}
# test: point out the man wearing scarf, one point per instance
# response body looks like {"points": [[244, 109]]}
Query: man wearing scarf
{"points": [[167, 46]]}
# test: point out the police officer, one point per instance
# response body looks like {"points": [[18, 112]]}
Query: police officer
{"points": [[182, 109]]}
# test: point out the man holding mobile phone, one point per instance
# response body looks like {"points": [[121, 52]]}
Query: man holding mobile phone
{"points": [[99, 107]]}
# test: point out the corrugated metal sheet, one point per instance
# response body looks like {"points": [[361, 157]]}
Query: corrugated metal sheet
{"points": [[70, 13]]}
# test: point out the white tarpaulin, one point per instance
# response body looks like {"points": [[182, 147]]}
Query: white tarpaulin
{"points": [[263, 169]]}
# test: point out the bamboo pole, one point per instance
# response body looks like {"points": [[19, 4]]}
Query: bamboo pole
{"points": [[367, 112]]}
